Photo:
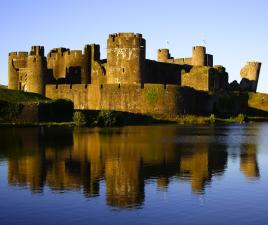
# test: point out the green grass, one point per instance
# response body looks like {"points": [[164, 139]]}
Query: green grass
{"points": [[190, 119], [14, 96]]}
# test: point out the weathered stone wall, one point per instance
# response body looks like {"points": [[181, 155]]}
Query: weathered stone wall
{"points": [[205, 78], [183, 61], [162, 73], [198, 78], [157, 99]]}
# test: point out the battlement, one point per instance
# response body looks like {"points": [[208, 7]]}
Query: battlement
{"points": [[114, 86], [57, 51], [254, 63], [126, 35], [125, 40], [199, 48], [18, 54], [35, 58], [37, 50], [73, 53]]}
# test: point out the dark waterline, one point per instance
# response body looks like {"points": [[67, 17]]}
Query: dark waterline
{"points": [[135, 175]]}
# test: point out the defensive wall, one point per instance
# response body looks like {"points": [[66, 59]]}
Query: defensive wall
{"points": [[199, 57], [153, 99], [205, 78]]}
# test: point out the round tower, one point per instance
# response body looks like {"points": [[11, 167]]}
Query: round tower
{"points": [[36, 65], [199, 56], [163, 55], [15, 62], [125, 58]]}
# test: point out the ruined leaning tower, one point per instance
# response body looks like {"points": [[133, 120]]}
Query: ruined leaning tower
{"points": [[125, 58], [250, 73]]}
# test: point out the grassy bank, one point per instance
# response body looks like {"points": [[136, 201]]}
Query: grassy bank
{"points": [[111, 119], [14, 96]]}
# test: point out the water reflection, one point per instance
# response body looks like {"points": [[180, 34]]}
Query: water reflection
{"points": [[248, 161], [66, 159]]}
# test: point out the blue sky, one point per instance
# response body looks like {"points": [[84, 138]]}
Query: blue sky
{"points": [[235, 31]]}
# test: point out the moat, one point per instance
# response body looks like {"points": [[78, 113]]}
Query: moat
{"points": [[135, 175]]}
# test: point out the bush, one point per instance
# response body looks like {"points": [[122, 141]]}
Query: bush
{"points": [[59, 110], [212, 118], [107, 118], [79, 119], [241, 118], [9, 111]]}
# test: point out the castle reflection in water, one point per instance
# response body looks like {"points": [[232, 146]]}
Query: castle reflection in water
{"points": [[121, 158]]}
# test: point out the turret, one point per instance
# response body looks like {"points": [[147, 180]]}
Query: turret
{"points": [[125, 58], [199, 56], [163, 55]]}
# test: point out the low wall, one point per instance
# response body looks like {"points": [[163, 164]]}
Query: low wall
{"points": [[156, 99]]}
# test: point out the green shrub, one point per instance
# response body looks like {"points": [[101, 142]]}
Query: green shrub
{"points": [[241, 118], [212, 118], [108, 118], [152, 95], [59, 110], [9, 111], [79, 119]]}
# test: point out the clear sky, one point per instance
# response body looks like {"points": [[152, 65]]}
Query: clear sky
{"points": [[235, 31]]}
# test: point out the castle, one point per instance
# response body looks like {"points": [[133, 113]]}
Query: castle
{"points": [[126, 80]]}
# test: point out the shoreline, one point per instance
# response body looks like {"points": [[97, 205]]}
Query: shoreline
{"points": [[180, 120]]}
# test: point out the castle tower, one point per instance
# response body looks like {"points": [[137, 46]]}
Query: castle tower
{"points": [[36, 65], [125, 58], [91, 54], [163, 55], [56, 62], [250, 73], [15, 62], [199, 56]]}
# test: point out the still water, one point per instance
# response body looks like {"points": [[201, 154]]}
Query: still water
{"points": [[135, 175]]}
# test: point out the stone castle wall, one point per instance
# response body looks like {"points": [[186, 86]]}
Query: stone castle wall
{"points": [[156, 99], [199, 57]]}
